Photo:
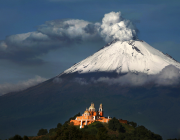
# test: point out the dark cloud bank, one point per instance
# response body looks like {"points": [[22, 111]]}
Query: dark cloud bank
{"points": [[27, 48]]}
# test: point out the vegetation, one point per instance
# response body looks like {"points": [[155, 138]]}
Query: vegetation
{"points": [[42, 132], [114, 125], [113, 130], [133, 124], [18, 137], [173, 139]]}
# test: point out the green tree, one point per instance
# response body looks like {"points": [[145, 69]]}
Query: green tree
{"points": [[114, 125], [98, 124], [142, 132], [122, 136], [52, 130], [68, 132], [16, 137], [173, 139], [102, 134], [92, 130], [42, 132], [133, 124], [25, 138], [59, 125]]}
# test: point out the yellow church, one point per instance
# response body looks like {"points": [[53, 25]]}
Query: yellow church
{"points": [[89, 116]]}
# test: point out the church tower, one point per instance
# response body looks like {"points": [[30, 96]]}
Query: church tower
{"points": [[101, 110], [92, 108]]}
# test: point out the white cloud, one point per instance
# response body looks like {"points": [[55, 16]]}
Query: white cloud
{"points": [[7, 88], [81, 81], [128, 79], [3, 45], [169, 76], [57, 80]]}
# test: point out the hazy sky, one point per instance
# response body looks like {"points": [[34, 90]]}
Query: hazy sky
{"points": [[41, 38]]}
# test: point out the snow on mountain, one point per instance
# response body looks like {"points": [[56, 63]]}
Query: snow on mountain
{"points": [[125, 56]]}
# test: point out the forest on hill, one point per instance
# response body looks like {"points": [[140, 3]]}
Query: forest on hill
{"points": [[113, 130]]}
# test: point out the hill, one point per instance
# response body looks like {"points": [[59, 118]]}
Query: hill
{"points": [[113, 130]]}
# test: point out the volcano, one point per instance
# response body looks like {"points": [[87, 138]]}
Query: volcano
{"points": [[57, 99], [123, 57]]}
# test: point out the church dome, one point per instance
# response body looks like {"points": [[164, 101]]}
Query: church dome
{"points": [[91, 107], [86, 112]]}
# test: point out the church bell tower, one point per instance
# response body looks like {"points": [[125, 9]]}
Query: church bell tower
{"points": [[101, 110]]}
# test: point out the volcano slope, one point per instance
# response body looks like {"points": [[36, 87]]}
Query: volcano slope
{"points": [[150, 104]]}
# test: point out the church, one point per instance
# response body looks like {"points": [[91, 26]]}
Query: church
{"points": [[89, 116]]}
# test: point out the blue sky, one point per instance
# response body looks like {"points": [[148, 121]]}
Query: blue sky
{"points": [[36, 59]]}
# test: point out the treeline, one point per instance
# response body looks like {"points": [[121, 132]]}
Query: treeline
{"points": [[113, 130], [173, 139]]}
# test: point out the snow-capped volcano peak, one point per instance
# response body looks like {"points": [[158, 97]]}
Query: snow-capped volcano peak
{"points": [[125, 56]]}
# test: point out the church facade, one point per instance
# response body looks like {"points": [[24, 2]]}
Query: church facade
{"points": [[90, 115]]}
